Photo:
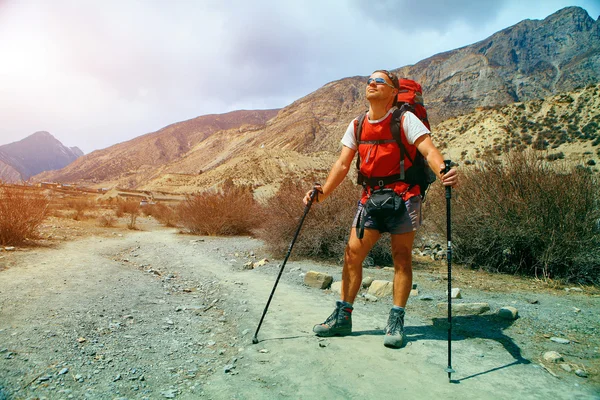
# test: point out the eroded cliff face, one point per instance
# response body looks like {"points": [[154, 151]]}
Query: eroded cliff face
{"points": [[530, 60]]}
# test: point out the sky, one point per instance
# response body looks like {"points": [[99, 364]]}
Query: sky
{"points": [[94, 73]]}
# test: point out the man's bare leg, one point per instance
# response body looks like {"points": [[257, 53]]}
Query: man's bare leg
{"points": [[356, 252], [402, 254], [340, 321]]}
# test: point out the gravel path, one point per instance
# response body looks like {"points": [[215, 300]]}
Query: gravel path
{"points": [[153, 315]]}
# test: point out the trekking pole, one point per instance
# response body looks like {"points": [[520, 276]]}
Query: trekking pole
{"points": [[313, 194], [449, 370]]}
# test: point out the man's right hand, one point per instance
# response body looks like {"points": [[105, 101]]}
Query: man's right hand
{"points": [[318, 195]]}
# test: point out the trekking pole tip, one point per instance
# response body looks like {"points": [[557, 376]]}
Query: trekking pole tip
{"points": [[254, 340]]}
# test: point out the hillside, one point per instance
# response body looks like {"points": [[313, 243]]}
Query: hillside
{"points": [[527, 62]]}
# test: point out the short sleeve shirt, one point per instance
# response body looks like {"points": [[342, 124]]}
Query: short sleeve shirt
{"points": [[412, 126]]}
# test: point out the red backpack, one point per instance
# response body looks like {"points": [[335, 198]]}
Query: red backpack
{"points": [[418, 172]]}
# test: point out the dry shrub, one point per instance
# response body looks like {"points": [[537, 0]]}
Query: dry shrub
{"points": [[80, 206], [131, 209], [22, 211], [325, 231], [107, 221], [163, 213], [525, 217], [228, 212]]}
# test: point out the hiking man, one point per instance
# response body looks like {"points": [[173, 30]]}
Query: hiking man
{"points": [[381, 159]]}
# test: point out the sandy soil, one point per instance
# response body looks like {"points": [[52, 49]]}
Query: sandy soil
{"points": [[155, 314]]}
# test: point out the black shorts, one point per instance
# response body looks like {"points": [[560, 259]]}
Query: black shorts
{"points": [[395, 224]]}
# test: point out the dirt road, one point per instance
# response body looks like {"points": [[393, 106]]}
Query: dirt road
{"points": [[153, 315]]}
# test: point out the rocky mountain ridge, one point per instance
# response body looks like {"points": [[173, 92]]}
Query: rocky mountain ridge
{"points": [[36, 153], [530, 60]]}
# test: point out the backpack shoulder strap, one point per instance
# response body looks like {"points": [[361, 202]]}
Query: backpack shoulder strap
{"points": [[357, 132], [396, 128]]}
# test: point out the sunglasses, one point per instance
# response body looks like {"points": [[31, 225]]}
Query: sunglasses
{"points": [[379, 81]]}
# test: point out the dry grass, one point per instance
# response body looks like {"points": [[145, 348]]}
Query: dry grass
{"points": [[22, 211], [526, 217], [228, 212]]}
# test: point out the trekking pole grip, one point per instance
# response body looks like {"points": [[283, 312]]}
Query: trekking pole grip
{"points": [[315, 193], [447, 166]]}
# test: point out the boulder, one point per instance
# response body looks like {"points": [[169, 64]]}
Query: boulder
{"points": [[381, 288], [317, 280]]}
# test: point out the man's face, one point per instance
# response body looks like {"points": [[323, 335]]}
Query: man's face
{"points": [[380, 87]]}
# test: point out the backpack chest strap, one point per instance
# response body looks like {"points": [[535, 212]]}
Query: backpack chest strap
{"points": [[377, 141]]}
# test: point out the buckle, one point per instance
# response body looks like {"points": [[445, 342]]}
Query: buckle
{"points": [[380, 183]]}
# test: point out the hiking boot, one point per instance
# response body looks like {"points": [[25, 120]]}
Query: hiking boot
{"points": [[338, 323], [394, 331]]}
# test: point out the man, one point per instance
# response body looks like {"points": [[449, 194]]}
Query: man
{"points": [[381, 91]]}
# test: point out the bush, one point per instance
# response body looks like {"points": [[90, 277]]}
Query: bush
{"points": [[325, 230], [530, 219], [131, 208], [107, 221], [228, 212], [22, 211], [162, 213]]}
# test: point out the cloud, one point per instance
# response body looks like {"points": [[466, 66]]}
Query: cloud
{"points": [[95, 73]]}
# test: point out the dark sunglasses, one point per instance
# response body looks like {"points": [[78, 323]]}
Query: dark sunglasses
{"points": [[379, 81]]}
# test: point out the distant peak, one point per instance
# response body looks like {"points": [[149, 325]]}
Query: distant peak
{"points": [[42, 134]]}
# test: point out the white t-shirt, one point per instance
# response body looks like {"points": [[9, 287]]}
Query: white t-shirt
{"points": [[412, 126]]}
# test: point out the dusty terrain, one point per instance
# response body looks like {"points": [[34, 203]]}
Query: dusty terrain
{"points": [[115, 314]]}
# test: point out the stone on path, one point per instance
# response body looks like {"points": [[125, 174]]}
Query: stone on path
{"points": [[465, 308], [553, 356], [508, 312], [317, 280], [381, 288], [336, 287], [366, 282], [560, 340]]}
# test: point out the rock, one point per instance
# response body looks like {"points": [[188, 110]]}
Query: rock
{"points": [[465, 308], [366, 282], [388, 269], [381, 288], [10, 248], [566, 367], [263, 351], [560, 340], [414, 292], [63, 371], [509, 313], [581, 373], [455, 294], [553, 356], [426, 298], [44, 378], [245, 332], [575, 289], [249, 265], [261, 263], [370, 297], [577, 310], [169, 394], [317, 280], [228, 368], [336, 287]]}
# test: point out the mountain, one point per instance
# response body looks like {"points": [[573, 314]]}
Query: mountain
{"points": [[36, 153], [529, 61], [138, 160]]}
